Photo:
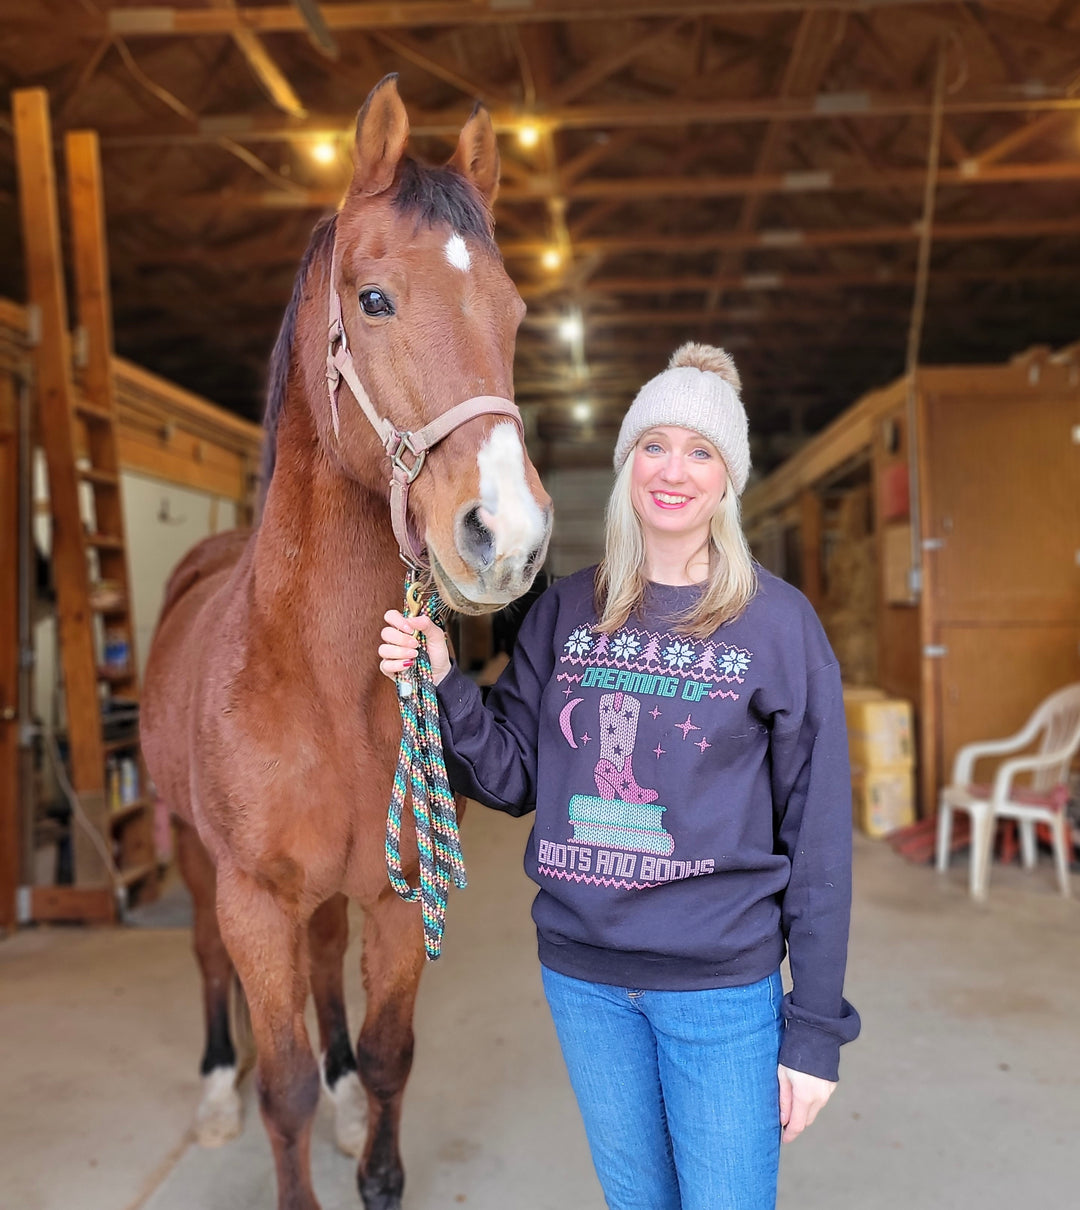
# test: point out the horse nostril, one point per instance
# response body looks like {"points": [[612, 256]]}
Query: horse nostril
{"points": [[477, 541]]}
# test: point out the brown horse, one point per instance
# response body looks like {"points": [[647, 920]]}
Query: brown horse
{"points": [[266, 725]]}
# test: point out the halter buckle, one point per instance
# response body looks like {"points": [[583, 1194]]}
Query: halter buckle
{"points": [[401, 444]]}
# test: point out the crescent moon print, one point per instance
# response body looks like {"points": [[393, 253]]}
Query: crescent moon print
{"points": [[564, 720]]}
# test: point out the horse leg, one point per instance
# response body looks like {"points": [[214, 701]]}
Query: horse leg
{"points": [[220, 1113], [393, 959], [267, 939], [328, 935]]}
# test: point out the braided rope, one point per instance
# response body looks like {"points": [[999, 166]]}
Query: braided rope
{"points": [[421, 771]]}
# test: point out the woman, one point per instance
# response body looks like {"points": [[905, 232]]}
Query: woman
{"points": [[675, 719]]}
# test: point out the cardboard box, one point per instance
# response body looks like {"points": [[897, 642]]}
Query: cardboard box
{"points": [[879, 729], [883, 798]]}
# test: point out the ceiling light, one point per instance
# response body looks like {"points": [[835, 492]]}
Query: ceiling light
{"points": [[551, 258], [571, 328], [323, 152], [582, 410], [528, 134]]}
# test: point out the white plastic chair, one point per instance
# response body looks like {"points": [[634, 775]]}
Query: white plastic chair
{"points": [[1056, 723]]}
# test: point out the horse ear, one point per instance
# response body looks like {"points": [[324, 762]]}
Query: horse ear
{"points": [[382, 130], [477, 155]]}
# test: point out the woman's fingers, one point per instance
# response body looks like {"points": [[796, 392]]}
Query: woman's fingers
{"points": [[802, 1096], [400, 643]]}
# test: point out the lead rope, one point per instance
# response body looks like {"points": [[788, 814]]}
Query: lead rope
{"points": [[422, 769]]}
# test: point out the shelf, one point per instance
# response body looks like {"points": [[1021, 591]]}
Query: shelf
{"points": [[91, 474], [127, 743], [128, 811], [136, 873], [88, 411], [104, 541]]}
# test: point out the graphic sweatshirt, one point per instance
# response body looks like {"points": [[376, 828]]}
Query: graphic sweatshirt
{"points": [[692, 797]]}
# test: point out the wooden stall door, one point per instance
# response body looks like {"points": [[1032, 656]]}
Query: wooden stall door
{"points": [[992, 677], [1005, 504]]}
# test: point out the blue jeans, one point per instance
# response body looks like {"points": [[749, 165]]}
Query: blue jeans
{"points": [[678, 1090]]}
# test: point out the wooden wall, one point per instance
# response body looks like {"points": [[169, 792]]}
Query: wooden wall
{"points": [[166, 434], [995, 625]]}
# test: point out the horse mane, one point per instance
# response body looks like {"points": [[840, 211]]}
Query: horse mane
{"points": [[436, 196], [322, 240]]}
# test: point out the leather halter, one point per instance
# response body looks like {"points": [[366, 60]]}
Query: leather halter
{"points": [[407, 450]]}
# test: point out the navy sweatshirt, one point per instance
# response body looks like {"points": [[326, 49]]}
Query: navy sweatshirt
{"points": [[692, 797]]}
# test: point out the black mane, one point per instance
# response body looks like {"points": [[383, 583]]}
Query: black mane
{"points": [[436, 196]]}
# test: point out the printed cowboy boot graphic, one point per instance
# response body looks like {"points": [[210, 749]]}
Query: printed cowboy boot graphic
{"points": [[615, 769], [625, 815]]}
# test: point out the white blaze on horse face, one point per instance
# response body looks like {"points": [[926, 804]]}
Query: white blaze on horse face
{"points": [[457, 253], [507, 506]]}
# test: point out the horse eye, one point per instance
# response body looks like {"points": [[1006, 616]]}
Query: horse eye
{"points": [[375, 304]]}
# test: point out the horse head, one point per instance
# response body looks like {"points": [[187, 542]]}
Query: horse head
{"points": [[423, 318]]}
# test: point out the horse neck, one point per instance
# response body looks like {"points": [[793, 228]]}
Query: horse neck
{"points": [[325, 562]]}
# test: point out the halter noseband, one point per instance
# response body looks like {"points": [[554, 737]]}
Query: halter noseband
{"points": [[406, 450]]}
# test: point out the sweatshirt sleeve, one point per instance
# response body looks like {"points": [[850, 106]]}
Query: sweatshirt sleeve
{"points": [[491, 747], [812, 798]]}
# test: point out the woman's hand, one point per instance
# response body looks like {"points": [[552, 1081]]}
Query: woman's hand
{"points": [[399, 645], [801, 1097]]}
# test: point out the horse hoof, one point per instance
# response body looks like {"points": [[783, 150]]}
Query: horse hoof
{"points": [[382, 1193], [350, 1114], [220, 1116]]}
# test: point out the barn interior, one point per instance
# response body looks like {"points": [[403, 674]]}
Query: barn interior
{"points": [[873, 206]]}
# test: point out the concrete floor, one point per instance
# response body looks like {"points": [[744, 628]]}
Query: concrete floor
{"points": [[961, 1093]]}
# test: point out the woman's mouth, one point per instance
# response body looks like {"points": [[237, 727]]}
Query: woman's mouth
{"points": [[669, 500]]}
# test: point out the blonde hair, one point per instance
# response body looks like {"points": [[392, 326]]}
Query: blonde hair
{"points": [[620, 578]]}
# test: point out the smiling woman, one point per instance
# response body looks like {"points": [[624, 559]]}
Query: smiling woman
{"points": [[675, 719]]}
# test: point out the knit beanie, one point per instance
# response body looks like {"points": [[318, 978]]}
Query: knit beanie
{"points": [[699, 390]]}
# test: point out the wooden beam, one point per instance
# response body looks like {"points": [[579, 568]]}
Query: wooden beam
{"points": [[1011, 143], [160, 20], [407, 48], [808, 283], [83, 905], [56, 399], [824, 107], [815, 41], [801, 238], [10, 829], [90, 253], [542, 185], [262, 65], [810, 532], [615, 60]]}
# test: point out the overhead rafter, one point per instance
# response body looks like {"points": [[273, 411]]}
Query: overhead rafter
{"points": [[822, 107], [262, 64], [161, 20]]}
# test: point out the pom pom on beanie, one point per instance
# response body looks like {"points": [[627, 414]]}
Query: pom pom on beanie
{"points": [[699, 390]]}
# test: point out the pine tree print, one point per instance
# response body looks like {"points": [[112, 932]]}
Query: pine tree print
{"points": [[651, 655], [601, 646], [707, 661]]}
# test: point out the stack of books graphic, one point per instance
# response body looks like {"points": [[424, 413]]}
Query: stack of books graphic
{"points": [[614, 824]]}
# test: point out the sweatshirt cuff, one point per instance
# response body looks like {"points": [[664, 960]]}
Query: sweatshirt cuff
{"points": [[813, 1046]]}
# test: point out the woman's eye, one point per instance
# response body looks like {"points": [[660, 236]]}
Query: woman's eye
{"points": [[702, 454], [375, 304], [654, 447]]}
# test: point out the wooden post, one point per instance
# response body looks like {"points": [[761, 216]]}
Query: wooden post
{"points": [[56, 400], [810, 524], [134, 834], [9, 655]]}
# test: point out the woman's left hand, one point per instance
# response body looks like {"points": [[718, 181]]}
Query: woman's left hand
{"points": [[801, 1097]]}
